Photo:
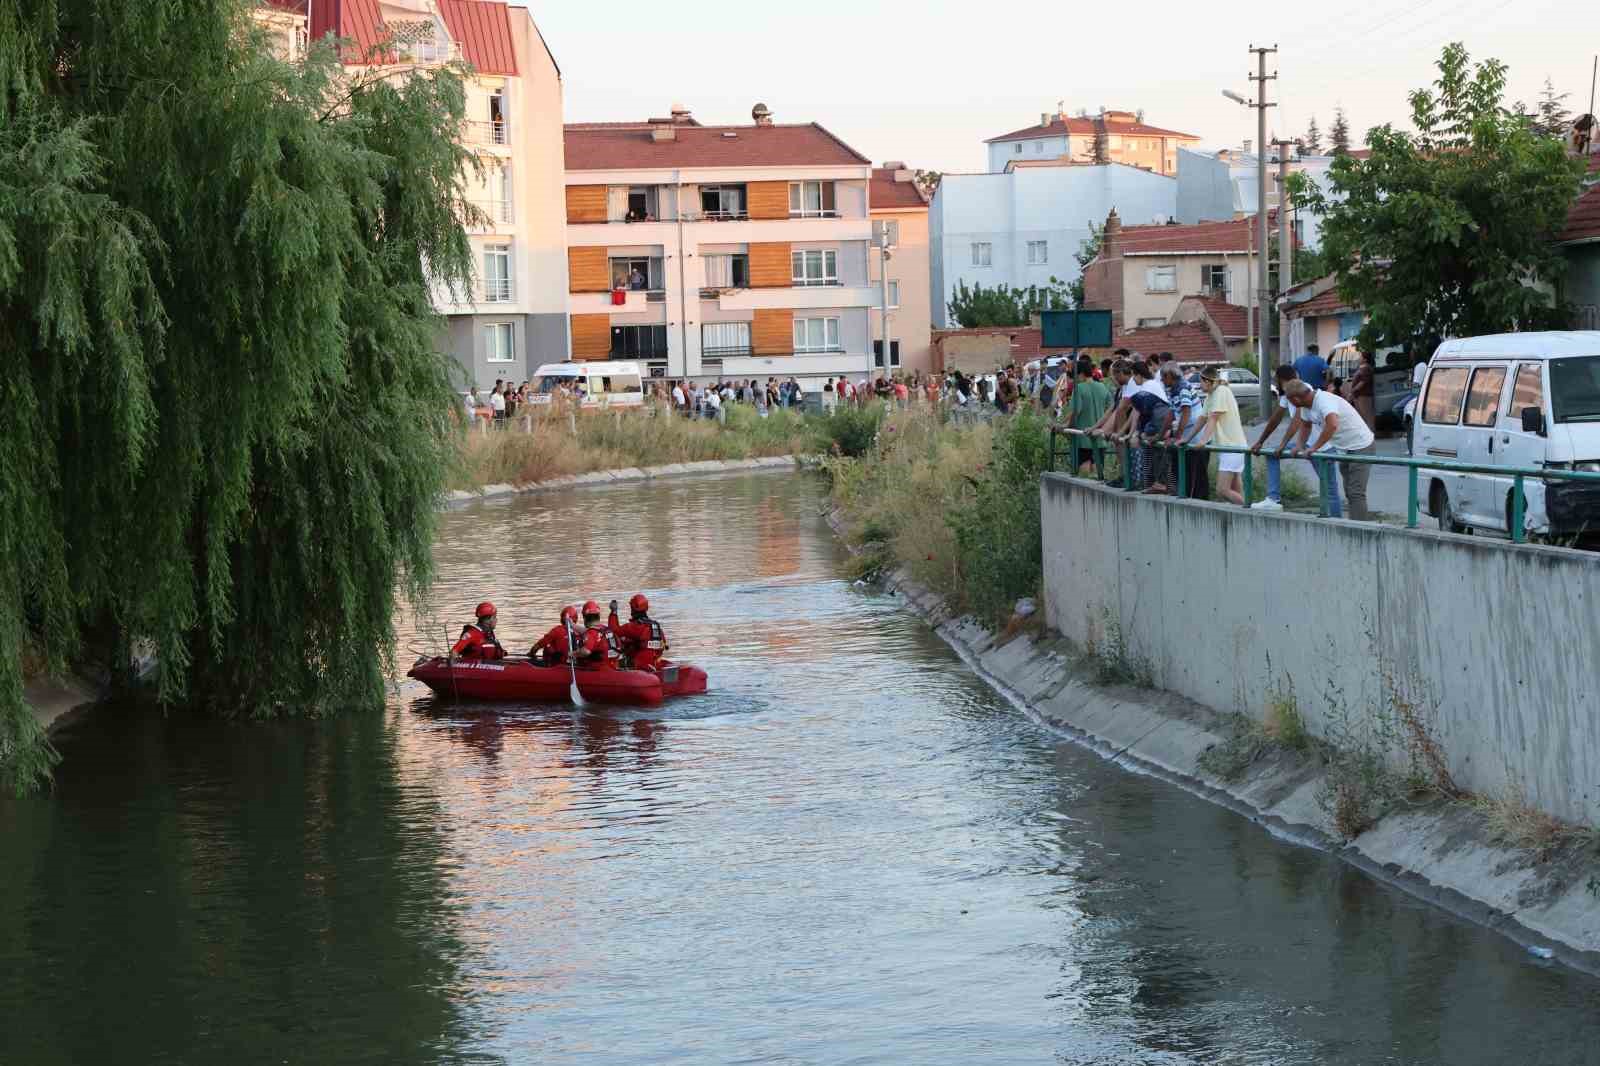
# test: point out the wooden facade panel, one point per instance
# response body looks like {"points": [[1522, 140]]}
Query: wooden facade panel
{"points": [[588, 270], [591, 336], [767, 199], [772, 331], [770, 266], [587, 203]]}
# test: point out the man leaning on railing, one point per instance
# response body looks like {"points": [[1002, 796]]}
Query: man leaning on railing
{"points": [[1339, 429]]}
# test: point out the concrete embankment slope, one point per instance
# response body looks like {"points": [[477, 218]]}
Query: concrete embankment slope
{"points": [[1491, 645]]}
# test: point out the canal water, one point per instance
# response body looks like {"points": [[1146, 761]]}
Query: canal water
{"points": [[849, 852]]}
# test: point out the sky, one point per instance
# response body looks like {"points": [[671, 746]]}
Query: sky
{"points": [[927, 82]]}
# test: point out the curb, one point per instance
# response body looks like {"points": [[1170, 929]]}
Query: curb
{"points": [[460, 498]]}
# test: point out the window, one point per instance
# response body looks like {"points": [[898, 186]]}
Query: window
{"points": [[982, 253], [1149, 323], [727, 271], [815, 268], [499, 343], [1161, 279], [1442, 405], [497, 117], [877, 354], [1528, 391], [497, 273], [1038, 146], [894, 293], [816, 335], [721, 339], [1299, 228], [1018, 147], [811, 199], [1483, 398], [1038, 252], [722, 201], [637, 272], [641, 203], [1575, 389], [1214, 279], [639, 342]]}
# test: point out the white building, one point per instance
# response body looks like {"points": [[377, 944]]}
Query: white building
{"points": [[1026, 225], [1128, 139], [719, 251], [1217, 186], [516, 316]]}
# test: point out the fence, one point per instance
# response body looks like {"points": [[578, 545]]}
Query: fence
{"points": [[1519, 475]]}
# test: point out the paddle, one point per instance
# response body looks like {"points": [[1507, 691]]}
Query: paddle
{"points": [[572, 664]]}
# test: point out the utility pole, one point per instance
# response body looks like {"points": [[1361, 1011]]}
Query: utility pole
{"points": [[1261, 78], [1285, 249], [883, 278]]}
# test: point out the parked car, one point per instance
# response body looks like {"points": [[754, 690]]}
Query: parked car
{"points": [[1246, 391], [1516, 400]]}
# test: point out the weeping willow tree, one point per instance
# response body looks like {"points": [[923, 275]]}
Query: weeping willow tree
{"points": [[224, 419]]}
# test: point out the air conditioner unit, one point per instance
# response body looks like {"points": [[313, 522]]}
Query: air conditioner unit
{"points": [[655, 297]]}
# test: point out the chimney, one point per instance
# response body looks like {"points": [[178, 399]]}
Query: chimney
{"points": [[761, 114], [902, 173], [1111, 236], [1044, 118], [1247, 145], [680, 115], [663, 133]]}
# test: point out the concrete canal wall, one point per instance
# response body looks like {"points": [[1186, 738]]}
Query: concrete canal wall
{"points": [[1492, 644]]}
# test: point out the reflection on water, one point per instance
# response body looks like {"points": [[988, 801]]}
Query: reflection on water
{"points": [[848, 852]]}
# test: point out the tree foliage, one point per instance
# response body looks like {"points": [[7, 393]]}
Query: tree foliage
{"points": [[227, 419], [928, 181], [1311, 142], [1088, 250], [1439, 233], [978, 306], [1339, 135], [1099, 148]]}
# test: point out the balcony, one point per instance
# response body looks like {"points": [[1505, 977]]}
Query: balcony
{"points": [[486, 133], [495, 291], [496, 210], [727, 352]]}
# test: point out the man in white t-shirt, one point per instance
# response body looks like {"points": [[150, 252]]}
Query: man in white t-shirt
{"points": [[680, 400], [1285, 410], [1333, 427]]}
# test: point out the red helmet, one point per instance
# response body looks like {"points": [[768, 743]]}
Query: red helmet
{"points": [[569, 614], [638, 605], [486, 609], [591, 610]]}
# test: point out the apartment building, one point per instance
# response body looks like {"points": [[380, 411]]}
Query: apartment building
{"points": [[515, 316], [1129, 140], [719, 251], [1025, 226], [900, 209], [1220, 185]]}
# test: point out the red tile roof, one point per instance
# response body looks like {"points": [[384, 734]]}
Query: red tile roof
{"points": [[1189, 342], [1201, 237], [886, 194], [631, 125], [1583, 221], [1231, 319], [632, 148], [481, 27], [1073, 124], [1325, 303]]}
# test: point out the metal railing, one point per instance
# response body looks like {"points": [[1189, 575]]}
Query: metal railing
{"points": [[474, 132], [1079, 442], [495, 290], [497, 210]]}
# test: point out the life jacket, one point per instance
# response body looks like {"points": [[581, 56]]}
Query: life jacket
{"points": [[478, 649]]}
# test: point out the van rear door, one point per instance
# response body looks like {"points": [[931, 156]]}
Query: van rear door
{"points": [[1438, 426]]}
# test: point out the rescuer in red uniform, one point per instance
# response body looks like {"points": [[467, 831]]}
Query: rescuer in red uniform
{"points": [[554, 647], [642, 640], [600, 648], [478, 641]]}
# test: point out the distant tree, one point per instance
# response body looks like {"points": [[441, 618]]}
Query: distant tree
{"points": [[1101, 152], [1312, 141], [1443, 232], [1086, 253], [928, 180], [979, 306], [1339, 135], [1552, 118]]}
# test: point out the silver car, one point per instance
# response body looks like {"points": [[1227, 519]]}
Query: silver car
{"points": [[1246, 391]]}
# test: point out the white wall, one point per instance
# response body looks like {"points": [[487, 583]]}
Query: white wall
{"points": [[1005, 152], [1053, 204]]}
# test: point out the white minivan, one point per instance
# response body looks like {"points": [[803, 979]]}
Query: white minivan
{"points": [[1525, 400], [603, 383]]}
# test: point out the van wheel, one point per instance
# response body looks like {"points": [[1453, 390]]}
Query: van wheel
{"points": [[1439, 504]]}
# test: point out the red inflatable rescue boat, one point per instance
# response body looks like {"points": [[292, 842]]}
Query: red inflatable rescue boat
{"points": [[520, 681]]}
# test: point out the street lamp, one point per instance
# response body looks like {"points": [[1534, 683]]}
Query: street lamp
{"points": [[1260, 301], [1236, 98]]}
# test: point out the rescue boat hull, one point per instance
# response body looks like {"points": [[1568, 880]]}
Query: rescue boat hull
{"points": [[520, 681]]}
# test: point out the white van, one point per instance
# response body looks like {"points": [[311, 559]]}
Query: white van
{"points": [[604, 384], [1528, 400]]}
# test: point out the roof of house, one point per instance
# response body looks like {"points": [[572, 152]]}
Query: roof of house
{"points": [[1232, 319], [1188, 342], [1027, 342], [1324, 303], [1061, 126], [1198, 238], [1583, 221], [886, 194], [632, 147], [481, 27], [634, 124]]}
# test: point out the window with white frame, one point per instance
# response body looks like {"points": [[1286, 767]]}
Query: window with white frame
{"points": [[727, 271], [877, 354], [1017, 145], [1161, 279], [894, 293], [722, 339], [1149, 323], [816, 335], [497, 273], [1214, 278], [982, 253], [811, 199], [1038, 252], [815, 267], [500, 343]]}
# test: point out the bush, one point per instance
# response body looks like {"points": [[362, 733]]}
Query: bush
{"points": [[850, 430], [998, 537]]}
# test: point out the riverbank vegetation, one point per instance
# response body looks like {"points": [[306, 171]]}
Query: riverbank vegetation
{"points": [[955, 504], [228, 424]]}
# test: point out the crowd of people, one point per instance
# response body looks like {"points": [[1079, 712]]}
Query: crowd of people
{"points": [[579, 638]]}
